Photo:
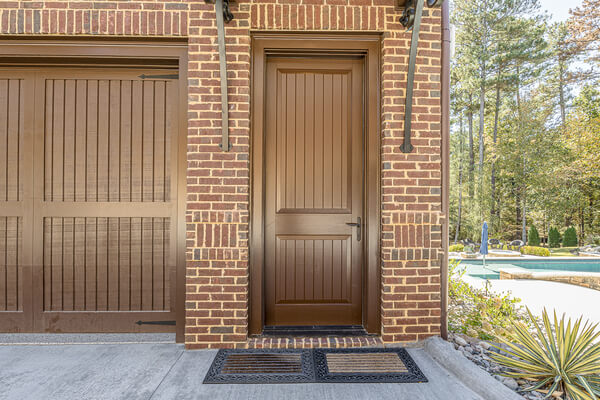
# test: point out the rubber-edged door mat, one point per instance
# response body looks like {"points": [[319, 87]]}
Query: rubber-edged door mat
{"points": [[359, 365], [262, 366], [366, 365]]}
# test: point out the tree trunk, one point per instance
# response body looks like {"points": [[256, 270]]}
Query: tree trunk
{"points": [[517, 211], [481, 140], [524, 199], [460, 178], [518, 95], [471, 150], [591, 216], [561, 91], [481, 120], [484, 48], [522, 187], [524, 219], [545, 228], [581, 225], [495, 139]]}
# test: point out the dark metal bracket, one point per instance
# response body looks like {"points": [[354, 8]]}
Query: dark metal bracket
{"points": [[223, 15], [168, 76], [411, 19], [155, 323]]}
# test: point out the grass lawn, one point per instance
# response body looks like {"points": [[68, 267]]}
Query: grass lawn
{"points": [[562, 252]]}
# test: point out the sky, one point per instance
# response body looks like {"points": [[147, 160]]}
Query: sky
{"points": [[559, 8]]}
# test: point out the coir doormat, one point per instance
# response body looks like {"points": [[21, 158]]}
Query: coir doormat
{"points": [[360, 365]]}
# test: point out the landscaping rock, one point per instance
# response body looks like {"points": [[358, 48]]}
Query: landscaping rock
{"points": [[511, 383], [478, 351], [484, 345], [460, 341]]}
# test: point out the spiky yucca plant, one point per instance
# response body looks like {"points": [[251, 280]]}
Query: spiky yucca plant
{"points": [[567, 360]]}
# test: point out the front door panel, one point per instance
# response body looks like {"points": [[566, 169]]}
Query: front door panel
{"points": [[314, 189]]}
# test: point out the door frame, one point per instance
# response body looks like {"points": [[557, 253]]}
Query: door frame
{"points": [[77, 51], [263, 45]]}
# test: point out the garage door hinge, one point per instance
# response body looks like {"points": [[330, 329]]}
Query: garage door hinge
{"points": [[170, 76], [155, 323]]}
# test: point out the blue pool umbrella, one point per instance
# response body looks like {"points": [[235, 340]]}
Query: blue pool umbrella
{"points": [[483, 249]]}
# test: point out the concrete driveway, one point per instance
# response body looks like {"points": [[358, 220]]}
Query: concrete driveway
{"points": [[167, 371]]}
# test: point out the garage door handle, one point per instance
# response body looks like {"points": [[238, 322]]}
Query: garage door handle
{"points": [[358, 228]]}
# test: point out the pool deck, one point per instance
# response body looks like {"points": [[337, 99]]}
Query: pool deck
{"points": [[587, 257], [572, 300]]}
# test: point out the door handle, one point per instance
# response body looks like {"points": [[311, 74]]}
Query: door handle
{"points": [[358, 228]]}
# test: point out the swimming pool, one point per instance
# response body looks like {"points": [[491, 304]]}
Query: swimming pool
{"points": [[476, 269]]}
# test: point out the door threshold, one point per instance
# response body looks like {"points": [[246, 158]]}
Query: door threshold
{"points": [[315, 330]]}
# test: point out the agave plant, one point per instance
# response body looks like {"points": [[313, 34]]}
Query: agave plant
{"points": [[566, 359]]}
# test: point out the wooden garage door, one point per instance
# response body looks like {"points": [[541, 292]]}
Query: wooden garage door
{"points": [[88, 197]]}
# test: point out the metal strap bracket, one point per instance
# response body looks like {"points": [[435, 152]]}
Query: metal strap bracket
{"points": [[411, 18], [167, 76], [223, 15]]}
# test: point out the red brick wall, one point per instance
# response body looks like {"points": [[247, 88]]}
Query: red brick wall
{"points": [[218, 182]]}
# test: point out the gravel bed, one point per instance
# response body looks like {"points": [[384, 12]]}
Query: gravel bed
{"points": [[478, 351]]}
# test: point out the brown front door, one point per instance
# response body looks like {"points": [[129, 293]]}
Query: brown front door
{"points": [[313, 191], [88, 218]]}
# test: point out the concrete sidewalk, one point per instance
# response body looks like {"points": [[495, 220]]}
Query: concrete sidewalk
{"points": [[167, 371]]}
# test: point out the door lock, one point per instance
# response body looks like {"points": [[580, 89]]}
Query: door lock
{"points": [[358, 228]]}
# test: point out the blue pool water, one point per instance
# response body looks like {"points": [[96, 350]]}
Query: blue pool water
{"points": [[476, 269]]}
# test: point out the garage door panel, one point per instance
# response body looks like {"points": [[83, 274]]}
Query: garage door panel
{"points": [[79, 143], [123, 266], [159, 154], [12, 257], [11, 136], [16, 87], [107, 140], [125, 146], [11, 251], [69, 140]]}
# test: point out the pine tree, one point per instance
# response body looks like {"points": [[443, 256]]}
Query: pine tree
{"points": [[537, 145], [585, 34], [570, 237], [533, 239], [559, 78], [553, 238]]}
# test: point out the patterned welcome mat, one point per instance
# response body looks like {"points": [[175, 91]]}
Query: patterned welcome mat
{"points": [[360, 365]]}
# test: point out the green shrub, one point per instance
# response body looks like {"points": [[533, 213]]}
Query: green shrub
{"points": [[535, 251], [495, 246], [479, 312], [469, 249], [553, 238], [456, 247], [570, 237], [593, 240], [565, 358], [533, 239]]}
